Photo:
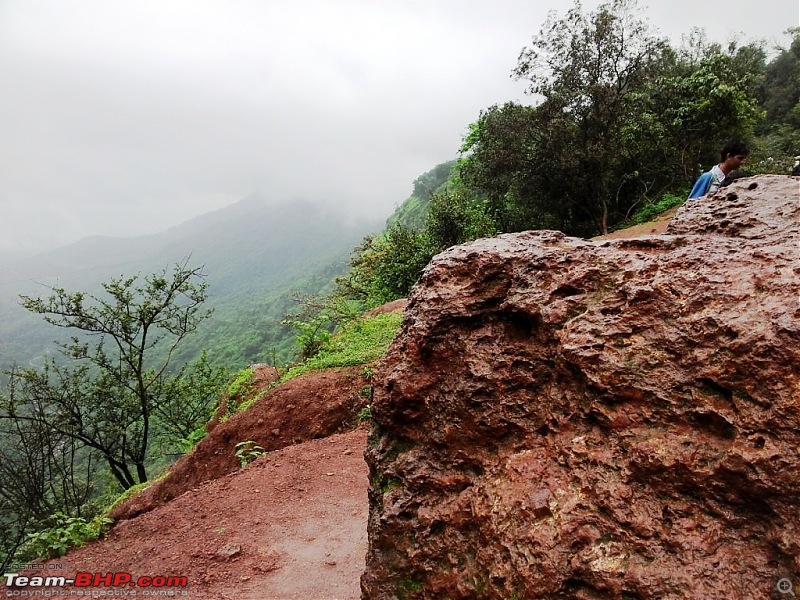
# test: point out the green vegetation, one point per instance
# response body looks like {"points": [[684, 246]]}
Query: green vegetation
{"points": [[387, 266], [407, 587], [132, 491], [390, 484], [241, 382], [66, 532], [357, 343], [312, 335], [650, 211], [107, 396], [187, 444], [105, 410], [412, 213], [623, 124], [247, 452], [365, 414], [238, 393]]}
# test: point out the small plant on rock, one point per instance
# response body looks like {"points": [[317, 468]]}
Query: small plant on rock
{"points": [[365, 414]]}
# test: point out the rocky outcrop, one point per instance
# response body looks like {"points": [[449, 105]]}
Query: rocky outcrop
{"points": [[559, 418]]}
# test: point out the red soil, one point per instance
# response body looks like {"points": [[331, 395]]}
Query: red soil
{"points": [[292, 524]]}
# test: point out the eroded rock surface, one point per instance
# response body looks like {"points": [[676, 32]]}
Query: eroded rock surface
{"points": [[560, 418]]}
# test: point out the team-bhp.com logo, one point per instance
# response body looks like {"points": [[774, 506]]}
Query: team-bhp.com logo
{"points": [[95, 580]]}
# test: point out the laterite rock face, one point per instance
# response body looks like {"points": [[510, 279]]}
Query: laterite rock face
{"points": [[560, 418]]}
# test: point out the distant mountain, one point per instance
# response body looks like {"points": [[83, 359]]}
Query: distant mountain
{"points": [[254, 253]]}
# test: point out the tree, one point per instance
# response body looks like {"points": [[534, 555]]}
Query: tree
{"points": [[427, 183], [454, 218], [779, 139], [620, 118], [781, 87], [118, 378], [706, 97], [499, 164], [41, 472], [411, 213], [189, 401], [587, 69]]}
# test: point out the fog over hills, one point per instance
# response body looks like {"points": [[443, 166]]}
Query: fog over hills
{"points": [[253, 253]]}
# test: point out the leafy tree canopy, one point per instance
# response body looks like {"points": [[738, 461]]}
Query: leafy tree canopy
{"points": [[116, 383]]}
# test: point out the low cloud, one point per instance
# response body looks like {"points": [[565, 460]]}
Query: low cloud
{"points": [[124, 118]]}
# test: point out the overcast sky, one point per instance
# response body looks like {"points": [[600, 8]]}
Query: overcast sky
{"points": [[124, 117]]}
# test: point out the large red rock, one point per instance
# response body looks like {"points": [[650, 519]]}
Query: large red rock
{"points": [[560, 418]]}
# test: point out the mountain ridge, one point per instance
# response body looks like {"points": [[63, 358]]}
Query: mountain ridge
{"points": [[252, 251]]}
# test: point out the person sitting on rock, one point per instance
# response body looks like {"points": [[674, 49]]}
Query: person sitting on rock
{"points": [[732, 156]]}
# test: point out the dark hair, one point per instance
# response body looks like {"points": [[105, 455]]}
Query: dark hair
{"points": [[735, 148]]}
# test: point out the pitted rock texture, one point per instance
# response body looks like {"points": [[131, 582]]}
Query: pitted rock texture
{"points": [[560, 418]]}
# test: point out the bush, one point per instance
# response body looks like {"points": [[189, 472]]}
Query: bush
{"points": [[650, 211], [67, 532], [247, 452]]}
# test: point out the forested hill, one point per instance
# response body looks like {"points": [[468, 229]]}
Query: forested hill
{"points": [[255, 254]]}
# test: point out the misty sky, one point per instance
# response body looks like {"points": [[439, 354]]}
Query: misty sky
{"points": [[128, 117]]}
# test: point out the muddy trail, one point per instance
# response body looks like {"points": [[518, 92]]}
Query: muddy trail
{"points": [[292, 524]]}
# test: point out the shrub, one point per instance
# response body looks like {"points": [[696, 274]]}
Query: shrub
{"points": [[67, 532], [357, 343], [247, 452], [650, 211]]}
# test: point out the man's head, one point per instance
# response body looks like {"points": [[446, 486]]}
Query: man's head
{"points": [[733, 155]]}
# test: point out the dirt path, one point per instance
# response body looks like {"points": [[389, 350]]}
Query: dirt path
{"points": [[655, 227], [293, 524]]}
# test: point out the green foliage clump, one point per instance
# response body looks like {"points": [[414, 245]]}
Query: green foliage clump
{"points": [[649, 211], [66, 532], [357, 343], [780, 91], [312, 335], [238, 393], [132, 491], [412, 212], [247, 452], [181, 423], [365, 414], [241, 382], [386, 267], [455, 217], [187, 444]]}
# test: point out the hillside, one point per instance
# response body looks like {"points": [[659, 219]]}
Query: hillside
{"points": [[291, 525], [254, 252]]}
